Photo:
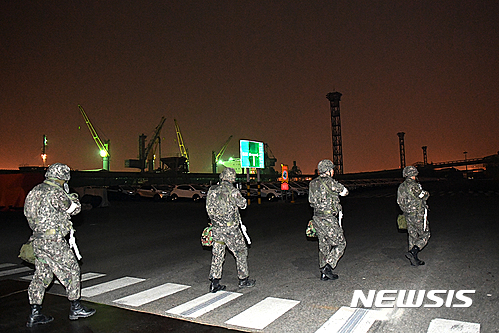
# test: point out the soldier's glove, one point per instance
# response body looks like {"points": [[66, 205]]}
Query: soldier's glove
{"points": [[340, 216]]}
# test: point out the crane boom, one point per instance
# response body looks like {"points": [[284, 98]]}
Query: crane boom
{"points": [[149, 151], [103, 147], [216, 158], [222, 151], [183, 151]]}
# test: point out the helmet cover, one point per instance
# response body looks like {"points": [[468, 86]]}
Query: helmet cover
{"points": [[228, 174], [324, 166], [410, 171], [59, 171]]}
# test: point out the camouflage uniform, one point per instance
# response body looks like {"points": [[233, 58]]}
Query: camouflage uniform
{"points": [[48, 208], [222, 203], [411, 199], [323, 196]]}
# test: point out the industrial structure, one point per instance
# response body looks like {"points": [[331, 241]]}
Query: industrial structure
{"points": [[215, 158], [334, 101], [44, 150], [184, 152], [148, 156], [154, 143], [402, 149], [425, 156], [103, 146], [270, 160]]}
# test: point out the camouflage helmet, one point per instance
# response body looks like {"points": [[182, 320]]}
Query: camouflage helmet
{"points": [[324, 166], [59, 171], [228, 174], [409, 171]]}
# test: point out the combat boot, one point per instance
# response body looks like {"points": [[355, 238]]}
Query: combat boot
{"points": [[77, 310], [327, 271], [415, 252], [216, 286], [246, 283], [36, 317], [412, 255]]}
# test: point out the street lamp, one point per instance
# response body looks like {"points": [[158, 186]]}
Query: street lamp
{"points": [[465, 164]]}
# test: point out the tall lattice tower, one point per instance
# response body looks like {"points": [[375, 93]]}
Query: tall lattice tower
{"points": [[334, 101], [425, 155], [402, 149]]}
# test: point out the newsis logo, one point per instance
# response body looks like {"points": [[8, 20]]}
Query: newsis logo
{"points": [[398, 298]]}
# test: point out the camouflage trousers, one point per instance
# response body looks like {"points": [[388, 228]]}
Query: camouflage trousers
{"points": [[332, 243], [232, 238], [417, 234], [54, 256]]}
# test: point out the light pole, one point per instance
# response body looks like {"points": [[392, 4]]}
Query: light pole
{"points": [[465, 164]]}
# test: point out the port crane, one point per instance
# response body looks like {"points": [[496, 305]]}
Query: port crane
{"points": [[183, 151], [153, 143], [103, 146], [216, 158]]}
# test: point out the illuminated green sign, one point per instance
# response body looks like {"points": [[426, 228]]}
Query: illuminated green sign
{"points": [[251, 154]]}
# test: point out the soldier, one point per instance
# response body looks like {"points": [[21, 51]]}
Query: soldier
{"points": [[323, 196], [48, 207], [411, 199], [222, 203]]}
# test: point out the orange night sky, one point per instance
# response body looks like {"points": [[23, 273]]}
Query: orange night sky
{"points": [[256, 70]]}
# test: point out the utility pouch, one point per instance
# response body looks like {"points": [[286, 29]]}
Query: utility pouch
{"points": [[27, 253], [310, 231], [401, 222], [207, 237]]}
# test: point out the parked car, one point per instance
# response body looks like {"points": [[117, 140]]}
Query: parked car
{"points": [[96, 196], [294, 189], [267, 191], [156, 192], [120, 192], [298, 188], [189, 191], [302, 183], [244, 191]]}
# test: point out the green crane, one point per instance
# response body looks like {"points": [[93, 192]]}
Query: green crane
{"points": [[183, 151], [216, 158], [103, 147]]}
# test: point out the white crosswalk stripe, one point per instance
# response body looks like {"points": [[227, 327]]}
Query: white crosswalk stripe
{"points": [[84, 277], [204, 304], [91, 276], [354, 320], [15, 271], [439, 325], [258, 316], [152, 294], [263, 313], [109, 286]]}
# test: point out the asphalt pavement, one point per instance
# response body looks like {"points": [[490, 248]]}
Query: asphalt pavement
{"points": [[144, 268]]}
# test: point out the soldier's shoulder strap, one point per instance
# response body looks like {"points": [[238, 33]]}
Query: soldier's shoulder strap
{"points": [[325, 186]]}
